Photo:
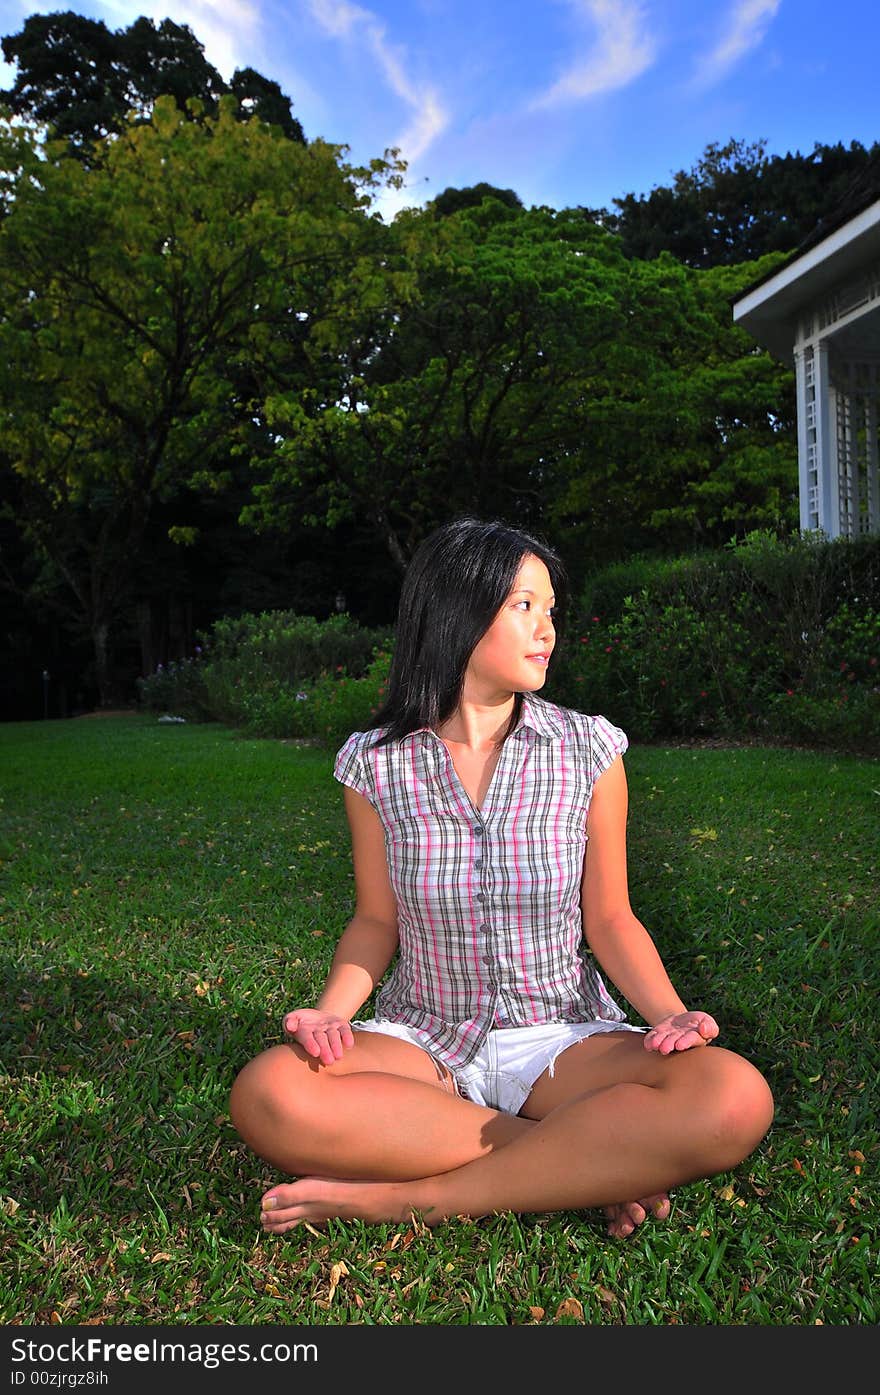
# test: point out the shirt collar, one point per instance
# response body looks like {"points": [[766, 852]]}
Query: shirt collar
{"points": [[540, 716], [536, 714]]}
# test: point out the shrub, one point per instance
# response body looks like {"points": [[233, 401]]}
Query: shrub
{"points": [[178, 688], [720, 642], [259, 662]]}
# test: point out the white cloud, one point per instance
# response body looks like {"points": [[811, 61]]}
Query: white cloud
{"points": [[747, 23], [343, 20], [623, 49]]}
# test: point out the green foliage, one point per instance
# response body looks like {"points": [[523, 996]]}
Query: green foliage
{"points": [[337, 704], [83, 81], [737, 203], [769, 638], [178, 689], [278, 674], [144, 300]]}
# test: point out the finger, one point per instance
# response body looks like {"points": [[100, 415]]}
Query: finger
{"points": [[334, 1042], [328, 1055]]}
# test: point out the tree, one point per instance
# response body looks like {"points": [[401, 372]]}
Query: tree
{"points": [[536, 373], [689, 439], [83, 82], [146, 305], [737, 203], [464, 392], [453, 200]]}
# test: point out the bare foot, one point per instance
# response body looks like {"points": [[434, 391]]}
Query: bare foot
{"points": [[322, 1198], [624, 1216]]}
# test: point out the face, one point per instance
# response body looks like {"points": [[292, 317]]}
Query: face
{"points": [[512, 655]]}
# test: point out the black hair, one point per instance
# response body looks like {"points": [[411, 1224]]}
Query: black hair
{"points": [[455, 585]]}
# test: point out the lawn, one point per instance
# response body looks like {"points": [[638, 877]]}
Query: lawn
{"points": [[168, 890]]}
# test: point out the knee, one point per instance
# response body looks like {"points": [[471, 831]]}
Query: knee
{"points": [[741, 1105], [263, 1093]]}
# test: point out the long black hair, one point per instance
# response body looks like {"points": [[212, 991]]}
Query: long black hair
{"points": [[455, 585]]}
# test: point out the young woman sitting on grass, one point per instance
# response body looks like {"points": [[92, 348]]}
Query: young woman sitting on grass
{"points": [[488, 835]]}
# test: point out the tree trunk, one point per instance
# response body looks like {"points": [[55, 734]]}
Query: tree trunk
{"points": [[100, 636]]}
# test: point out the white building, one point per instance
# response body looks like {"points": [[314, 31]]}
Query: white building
{"points": [[822, 309]]}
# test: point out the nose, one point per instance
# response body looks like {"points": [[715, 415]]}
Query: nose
{"points": [[544, 626]]}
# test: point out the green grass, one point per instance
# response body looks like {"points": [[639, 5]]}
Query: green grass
{"points": [[168, 890]]}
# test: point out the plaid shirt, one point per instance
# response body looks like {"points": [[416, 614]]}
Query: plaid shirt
{"points": [[491, 932]]}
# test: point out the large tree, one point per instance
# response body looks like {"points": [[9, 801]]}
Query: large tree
{"points": [[83, 81], [148, 303], [463, 395], [688, 439], [537, 373]]}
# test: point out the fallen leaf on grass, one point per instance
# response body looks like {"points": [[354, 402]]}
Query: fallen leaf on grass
{"points": [[337, 1271], [537, 1313], [571, 1307]]}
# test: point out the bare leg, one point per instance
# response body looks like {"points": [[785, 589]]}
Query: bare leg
{"points": [[641, 1123], [385, 1111]]}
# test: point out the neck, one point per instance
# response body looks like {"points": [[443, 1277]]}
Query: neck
{"points": [[478, 725]]}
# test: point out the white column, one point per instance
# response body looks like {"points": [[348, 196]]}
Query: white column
{"points": [[807, 479], [826, 443], [847, 404]]}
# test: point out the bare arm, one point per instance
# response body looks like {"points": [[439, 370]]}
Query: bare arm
{"points": [[366, 946], [616, 936]]}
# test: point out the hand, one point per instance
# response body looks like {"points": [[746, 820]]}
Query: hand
{"points": [[680, 1031], [319, 1033]]}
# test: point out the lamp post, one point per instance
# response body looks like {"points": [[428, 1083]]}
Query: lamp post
{"points": [[45, 692]]}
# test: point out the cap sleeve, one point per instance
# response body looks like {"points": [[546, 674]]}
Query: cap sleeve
{"points": [[607, 742], [350, 768]]}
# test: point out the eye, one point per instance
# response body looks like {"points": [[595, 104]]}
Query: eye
{"points": [[552, 611]]}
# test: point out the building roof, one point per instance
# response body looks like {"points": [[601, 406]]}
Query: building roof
{"points": [[840, 246]]}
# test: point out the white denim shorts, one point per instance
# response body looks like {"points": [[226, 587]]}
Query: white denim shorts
{"points": [[511, 1059]]}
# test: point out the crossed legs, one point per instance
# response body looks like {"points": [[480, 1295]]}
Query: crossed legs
{"points": [[379, 1135]]}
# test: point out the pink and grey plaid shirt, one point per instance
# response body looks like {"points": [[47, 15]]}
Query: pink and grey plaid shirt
{"points": [[491, 933]]}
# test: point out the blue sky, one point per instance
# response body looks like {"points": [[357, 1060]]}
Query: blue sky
{"points": [[566, 101]]}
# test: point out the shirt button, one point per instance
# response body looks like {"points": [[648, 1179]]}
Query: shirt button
{"points": [[487, 959], [483, 929], [478, 862], [481, 895], [478, 830]]}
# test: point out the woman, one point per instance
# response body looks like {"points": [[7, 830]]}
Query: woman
{"points": [[489, 846]]}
